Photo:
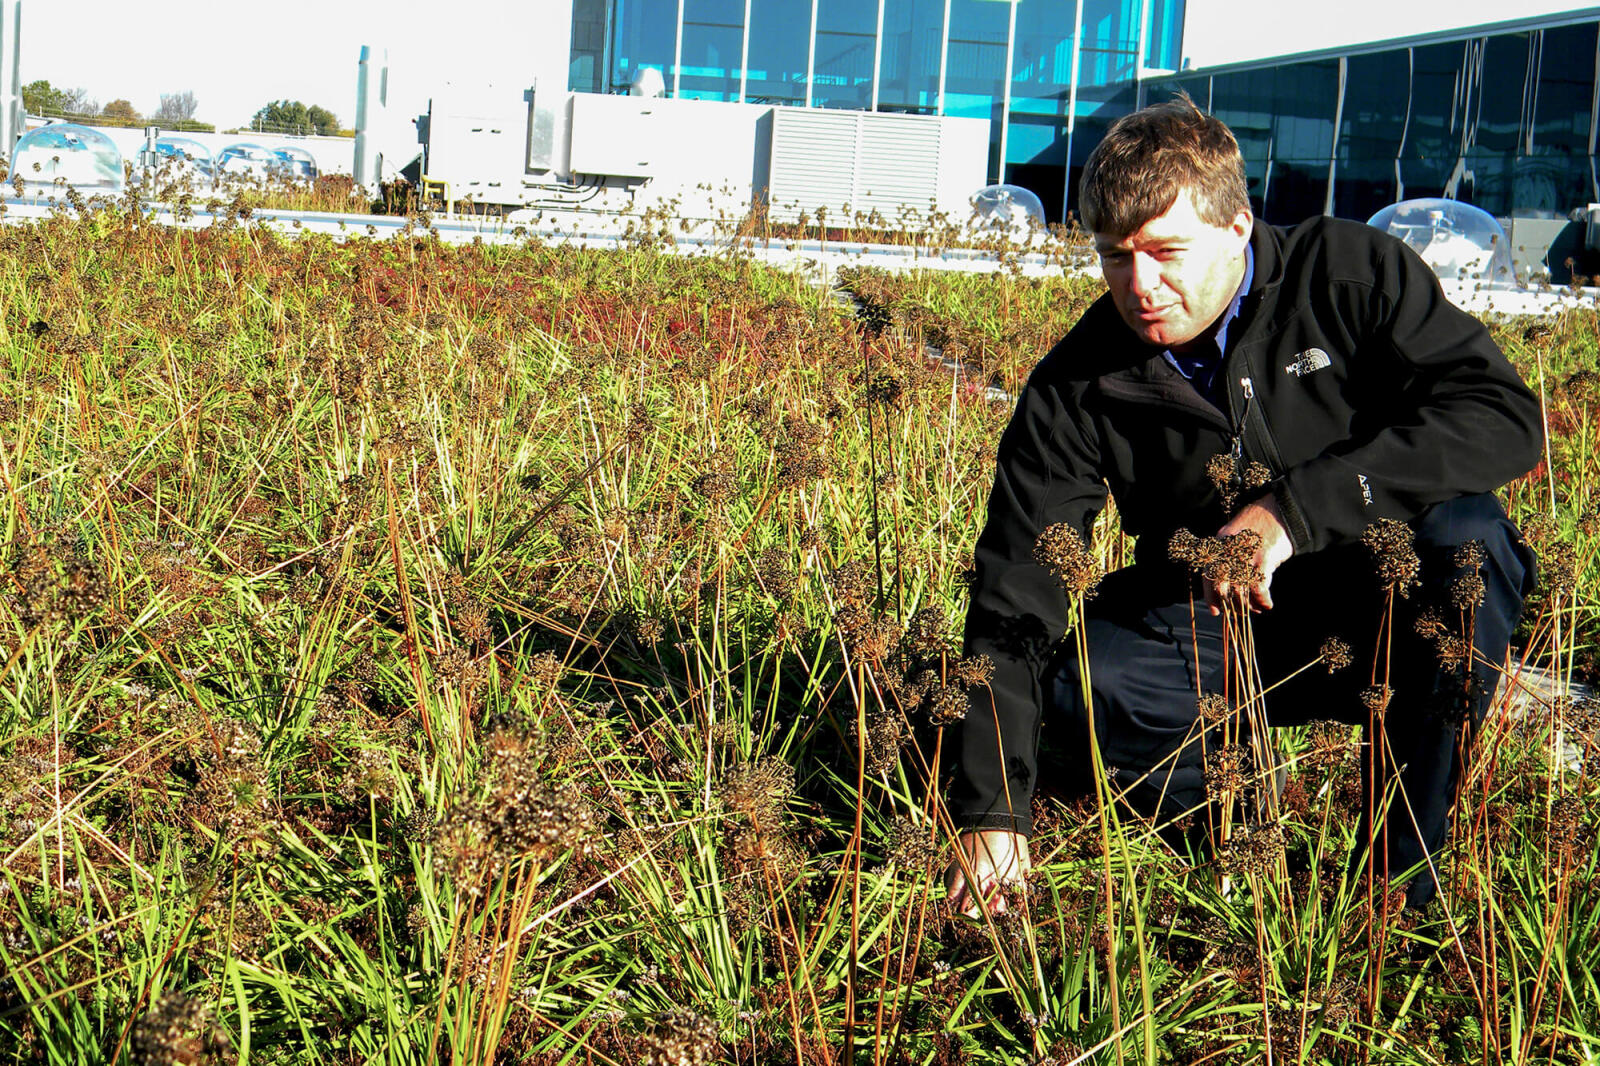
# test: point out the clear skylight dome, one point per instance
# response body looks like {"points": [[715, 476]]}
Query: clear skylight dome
{"points": [[296, 162], [1458, 241], [86, 158], [1007, 207], [242, 159], [184, 157]]}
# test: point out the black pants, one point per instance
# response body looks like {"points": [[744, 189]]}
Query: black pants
{"points": [[1146, 648]]}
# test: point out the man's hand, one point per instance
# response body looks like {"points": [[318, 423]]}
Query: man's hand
{"points": [[996, 858], [1263, 518]]}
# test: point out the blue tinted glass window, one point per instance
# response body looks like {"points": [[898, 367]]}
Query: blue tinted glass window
{"points": [[909, 76], [644, 34], [1041, 62], [975, 75], [780, 32], [1110, 41], [1041, 87], [846, 46], [1164, 40], [586, 66], [713, 41]]}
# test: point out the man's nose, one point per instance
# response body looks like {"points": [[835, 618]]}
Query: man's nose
{"points": [[1146, 275]]}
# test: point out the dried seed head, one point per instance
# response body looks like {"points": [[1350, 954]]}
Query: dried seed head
{"points": [[1227, 769], [886, 388], [1376, 699], [178, 1031], [1569, 825], [1558, 569], [717, 483], [1060, 549], [1213, 708], [1223, 473], [681, 1038], [973, 671], [912, 846], [1330, 745], [774, 574], [546, 669], [1335, 654], [800, 453], [948, 704], [1583, 386], [928, 633], [1470, 555], [758, 791], [1391, 544], [1254, 849], [1453, 650], [851, 585]]}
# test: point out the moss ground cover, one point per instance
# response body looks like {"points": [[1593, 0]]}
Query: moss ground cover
{"points": [[419, 653]]}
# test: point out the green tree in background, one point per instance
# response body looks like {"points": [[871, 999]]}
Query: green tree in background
{"points": [[42, 98], [292, 116]]}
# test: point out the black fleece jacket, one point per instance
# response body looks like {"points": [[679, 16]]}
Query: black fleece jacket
{"points": [[1349, 375]]}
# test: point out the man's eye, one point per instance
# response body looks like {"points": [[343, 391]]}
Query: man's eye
{"points": [[1114, 258]]}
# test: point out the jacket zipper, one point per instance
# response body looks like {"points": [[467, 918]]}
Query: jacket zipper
{"points": [[1266, 448]]}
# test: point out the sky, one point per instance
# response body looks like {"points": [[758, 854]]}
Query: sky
{"points": [[236, 57]]}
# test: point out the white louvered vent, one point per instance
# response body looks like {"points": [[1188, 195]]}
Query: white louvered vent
{"points": [[852, 161]]}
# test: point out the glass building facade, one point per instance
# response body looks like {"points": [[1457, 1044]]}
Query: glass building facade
{"points": [[1502, 116], [1046, 74]]}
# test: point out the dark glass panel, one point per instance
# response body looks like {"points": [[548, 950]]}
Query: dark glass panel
{"points": [[645, 34], [1045, 180], [1296, 191], [846, 41], [1373, 125], [780, 32], [1563, 114], [1433, 138], [1557, 176], [1502, 91], [909, 69], [1243, 100]]}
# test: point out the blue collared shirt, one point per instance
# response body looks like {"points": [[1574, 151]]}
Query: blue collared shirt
{"points": [[1201, 366]]}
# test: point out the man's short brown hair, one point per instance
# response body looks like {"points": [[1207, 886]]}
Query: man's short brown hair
{"points": [[1147, 158]]}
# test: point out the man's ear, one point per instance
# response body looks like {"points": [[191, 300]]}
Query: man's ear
{"points": [[1242, 224]]}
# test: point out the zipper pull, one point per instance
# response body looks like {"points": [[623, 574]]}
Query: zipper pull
{"points": [[1249, 388]]}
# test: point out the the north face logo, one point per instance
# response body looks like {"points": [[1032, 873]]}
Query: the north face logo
{"points": [[1308, 361]]}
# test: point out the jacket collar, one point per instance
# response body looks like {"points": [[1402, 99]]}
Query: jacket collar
{"points": [[1268, 246]]}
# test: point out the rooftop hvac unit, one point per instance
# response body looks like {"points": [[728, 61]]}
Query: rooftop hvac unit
{"points": [[857, 162]]}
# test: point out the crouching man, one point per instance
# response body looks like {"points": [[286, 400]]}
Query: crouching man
{"points": [[1298, 384]]}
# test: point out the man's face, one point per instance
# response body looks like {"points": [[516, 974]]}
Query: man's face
{"points": [[1176, 275]]}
